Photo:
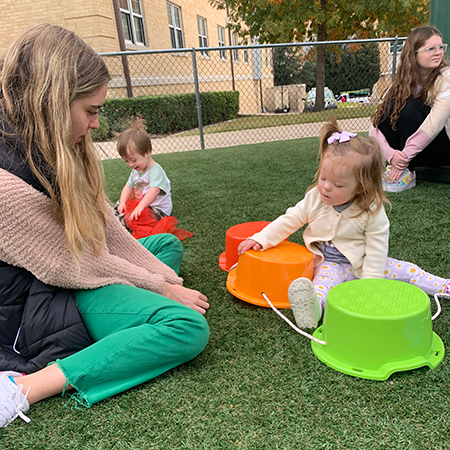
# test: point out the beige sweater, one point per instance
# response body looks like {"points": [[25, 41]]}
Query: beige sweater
{"points": [[32, 239]]}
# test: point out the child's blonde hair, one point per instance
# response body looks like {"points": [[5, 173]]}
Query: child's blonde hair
{"points": [[367, 166], [137, 137]]}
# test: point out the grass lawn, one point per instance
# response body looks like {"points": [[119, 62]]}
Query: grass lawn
{"points": [[258, 385]]}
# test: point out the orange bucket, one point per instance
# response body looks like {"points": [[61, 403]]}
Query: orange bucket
{"points": [[270, 271], [234, 236]]}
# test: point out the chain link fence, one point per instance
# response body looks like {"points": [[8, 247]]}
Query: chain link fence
{"points": [[276, 86]]}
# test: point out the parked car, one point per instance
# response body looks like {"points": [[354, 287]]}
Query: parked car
{"points": [[361, 96], [330, 101]]}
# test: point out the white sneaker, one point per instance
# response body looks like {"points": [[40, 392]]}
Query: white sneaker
{"points": [[406, 181], [12, 401], [304, 303]]}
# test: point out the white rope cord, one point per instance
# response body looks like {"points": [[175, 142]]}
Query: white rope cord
{"points": [[290, 323], [436, 299]]}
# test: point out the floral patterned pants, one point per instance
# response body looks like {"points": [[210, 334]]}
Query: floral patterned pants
{"points": [[327, 275]]}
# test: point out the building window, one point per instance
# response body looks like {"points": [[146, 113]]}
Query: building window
{"points": [[221, 34], [235, 44], [132, 21], [202, 37], [246, 52], [176, 31]]}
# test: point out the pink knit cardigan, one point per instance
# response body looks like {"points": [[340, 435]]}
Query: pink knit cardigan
{"points": [[32, 239]]}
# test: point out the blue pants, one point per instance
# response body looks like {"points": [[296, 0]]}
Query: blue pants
{"points": [[137, 334]]}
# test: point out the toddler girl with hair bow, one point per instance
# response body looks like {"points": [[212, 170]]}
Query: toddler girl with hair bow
{"points": [[348, 230]]}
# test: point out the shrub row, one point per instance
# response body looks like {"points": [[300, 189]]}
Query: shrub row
{"points": [[167, 113]]}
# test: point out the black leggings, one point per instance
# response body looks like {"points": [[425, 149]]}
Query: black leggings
{"points": [[412, 115]]}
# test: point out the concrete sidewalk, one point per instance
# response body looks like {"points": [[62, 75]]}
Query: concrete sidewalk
{"points": [[180, 143]]}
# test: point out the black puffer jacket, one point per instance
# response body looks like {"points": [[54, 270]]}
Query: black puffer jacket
{"points": [[38, 323]]}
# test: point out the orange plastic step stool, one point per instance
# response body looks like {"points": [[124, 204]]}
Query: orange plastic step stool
{"points": [[234, 236], [270, 271]]}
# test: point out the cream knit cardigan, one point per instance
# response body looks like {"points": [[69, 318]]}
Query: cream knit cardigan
{"points": [[30, 238]]}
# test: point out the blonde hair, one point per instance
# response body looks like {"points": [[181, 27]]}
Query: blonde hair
{"points": [[137, 137], [42, 73], [404, 85], [365, 161]]}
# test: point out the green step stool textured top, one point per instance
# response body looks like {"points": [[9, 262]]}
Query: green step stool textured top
{"points": [[375, 327]]}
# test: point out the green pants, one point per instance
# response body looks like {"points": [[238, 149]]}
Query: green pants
{"points": [[137, 334]]}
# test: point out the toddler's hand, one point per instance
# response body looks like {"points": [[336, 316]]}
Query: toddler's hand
{"points": [[248, 244], [121, 208], [136, 213]]}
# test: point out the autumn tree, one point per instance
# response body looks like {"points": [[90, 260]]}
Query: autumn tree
{"points": [[278, 21], [286, 66]]}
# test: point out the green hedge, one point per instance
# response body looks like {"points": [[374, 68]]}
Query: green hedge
{"points": [[171, 113]]}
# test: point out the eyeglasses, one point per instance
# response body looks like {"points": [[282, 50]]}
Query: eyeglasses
{"points": [[431, 51]]}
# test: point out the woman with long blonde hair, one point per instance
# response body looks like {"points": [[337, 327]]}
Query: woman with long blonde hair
{"points": [[412, 122], [83, 305]]}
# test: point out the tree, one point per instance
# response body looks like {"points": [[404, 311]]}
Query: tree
{"points": [[352, 68], [277, 21], [308, 74], [286, 66]]}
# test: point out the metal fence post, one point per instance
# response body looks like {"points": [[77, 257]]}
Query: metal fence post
{"points": [[231, 51], [126, 69], [394, 58], [197, 99]]}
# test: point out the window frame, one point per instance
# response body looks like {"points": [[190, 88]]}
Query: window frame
{"points": [[246, 52], [221, 40], [202, 34], [234, 38], [175, 31], [131, 17]]}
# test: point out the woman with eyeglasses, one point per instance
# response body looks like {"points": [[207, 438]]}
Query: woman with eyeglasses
{"points": [[412, 122]]}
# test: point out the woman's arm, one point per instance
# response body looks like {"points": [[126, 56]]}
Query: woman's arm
{"points": [[430, 128], [33, 240], [386, 149], [396, 158], [437, 118]]}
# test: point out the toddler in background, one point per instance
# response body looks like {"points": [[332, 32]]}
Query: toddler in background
{"points": [[147, 180], [348, 230]]}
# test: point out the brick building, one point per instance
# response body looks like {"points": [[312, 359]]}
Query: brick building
{"points": [[154, 25]]}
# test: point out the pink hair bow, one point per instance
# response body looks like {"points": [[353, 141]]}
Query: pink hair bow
{"points": [[342, 136]]}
